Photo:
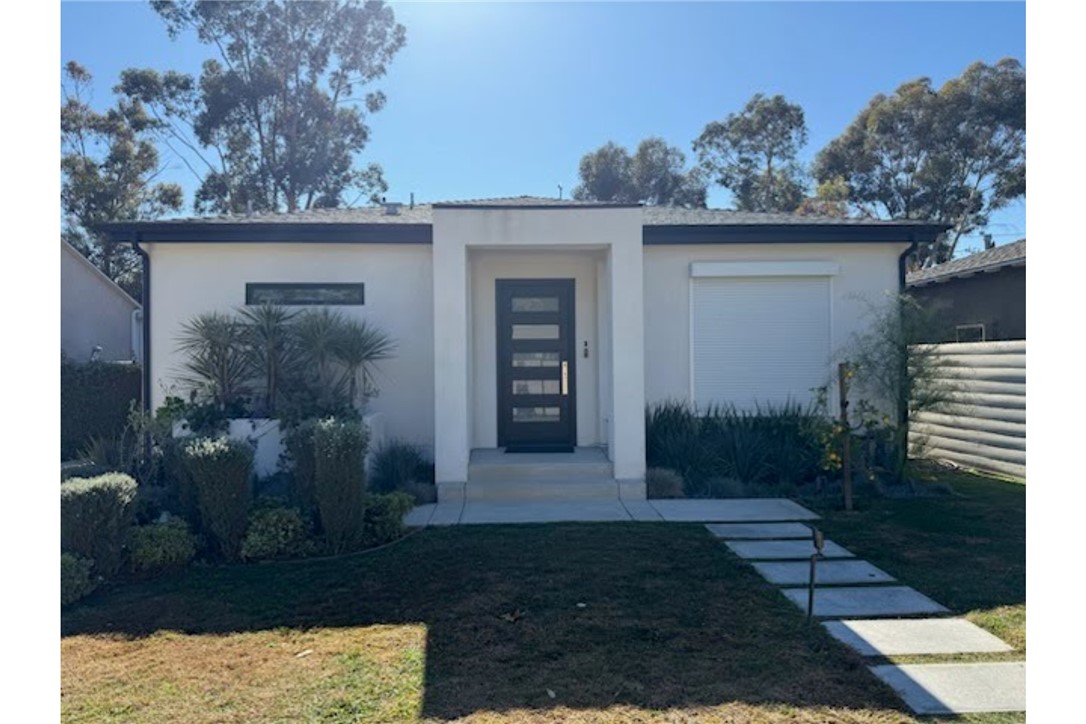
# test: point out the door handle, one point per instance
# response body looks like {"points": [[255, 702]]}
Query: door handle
{"points": [[565, 377]]}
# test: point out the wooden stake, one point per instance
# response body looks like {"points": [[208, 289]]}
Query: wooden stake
{"points": [[846, 433]]}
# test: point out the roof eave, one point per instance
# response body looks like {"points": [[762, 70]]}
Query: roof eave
{"points": [[790, 233], [255, 232], [967, 273]]}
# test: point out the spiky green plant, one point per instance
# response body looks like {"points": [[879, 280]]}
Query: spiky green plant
{"points": [[271, 349], [216, 363], [359, 346], [316, 333]]}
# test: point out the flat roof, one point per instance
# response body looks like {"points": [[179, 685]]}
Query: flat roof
{"points": [[405, 223]]}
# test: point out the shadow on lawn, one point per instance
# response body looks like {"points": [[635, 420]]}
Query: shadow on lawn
{"points": [[670, 618]]}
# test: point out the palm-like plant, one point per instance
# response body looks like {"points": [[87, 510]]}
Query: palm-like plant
{"points": [[270, 347], [359, 346], [316, 334], [216, 362]]}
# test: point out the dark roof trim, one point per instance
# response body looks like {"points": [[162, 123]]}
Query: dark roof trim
{"points": [[529, 205], [348, 233], [789, 234], [272, 233]]}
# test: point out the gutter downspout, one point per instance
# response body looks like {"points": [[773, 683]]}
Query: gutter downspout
{"points": [[913, 246], [136, 240]]}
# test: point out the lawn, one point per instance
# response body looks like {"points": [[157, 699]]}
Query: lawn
{"points": [[485, 623], [967, 551]]}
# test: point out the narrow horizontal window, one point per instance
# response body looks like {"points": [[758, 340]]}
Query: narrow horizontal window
{"points": [[537, 414], [536, 387], [535, 359], [535, 304], [304, 294], [535, 331]]}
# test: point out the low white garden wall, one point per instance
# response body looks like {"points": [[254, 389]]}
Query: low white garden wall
{"points": [[267, 439]]}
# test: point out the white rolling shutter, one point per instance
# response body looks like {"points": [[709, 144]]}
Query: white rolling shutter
{"points": [[759, 339]]}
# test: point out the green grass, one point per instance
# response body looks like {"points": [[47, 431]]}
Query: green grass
{"points": [[966, 550], [483, 623], [478, 622]]}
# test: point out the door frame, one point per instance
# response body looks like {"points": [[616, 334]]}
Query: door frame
{"points": [[566, 288]]}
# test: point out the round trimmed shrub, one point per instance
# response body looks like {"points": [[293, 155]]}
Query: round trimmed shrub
{"points": [[277, 532], [161, 547], [339, 480], [383, 518], [221, 471], [663, 483], [95, 514], [75, 578]]}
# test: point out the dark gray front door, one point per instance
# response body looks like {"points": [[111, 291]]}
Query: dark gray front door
{"points": [[536, 386]]}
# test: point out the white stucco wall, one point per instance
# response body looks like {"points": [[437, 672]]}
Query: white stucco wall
{"points": [[487, 267], [867, 273], [93, 311], [614, 233], [189, 279]]}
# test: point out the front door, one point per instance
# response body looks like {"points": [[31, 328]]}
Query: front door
{"points": [[536, 388]]}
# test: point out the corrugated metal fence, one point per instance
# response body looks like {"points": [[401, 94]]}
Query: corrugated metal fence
{"points": [[983, 422]]}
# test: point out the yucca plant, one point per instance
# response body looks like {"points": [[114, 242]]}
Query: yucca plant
{"points": [[359, 346], [316, 333], [271, 350], [216, 362]]}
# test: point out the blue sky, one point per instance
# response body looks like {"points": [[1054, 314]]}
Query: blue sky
{"points": [[501, 99]]}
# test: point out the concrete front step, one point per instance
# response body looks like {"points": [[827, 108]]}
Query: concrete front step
{"points": [[554, 489], [582, 464]]}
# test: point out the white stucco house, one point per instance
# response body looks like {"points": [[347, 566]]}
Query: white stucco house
{"points": [[98, 320], [534, 324]]}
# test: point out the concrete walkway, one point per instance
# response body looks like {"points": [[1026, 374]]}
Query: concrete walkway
{"points": [[745, 510], [866, 603]]}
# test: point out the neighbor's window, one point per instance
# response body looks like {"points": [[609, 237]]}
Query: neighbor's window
{"points": [[970, 333], [304, 294]]}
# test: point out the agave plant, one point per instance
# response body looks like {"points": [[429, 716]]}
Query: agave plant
{"points": [[359, 346], [216, 362], [270, 348]]}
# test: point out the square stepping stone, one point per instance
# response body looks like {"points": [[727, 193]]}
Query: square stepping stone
{"points": [[784, 549], [731, 510], [797, 573], [859, 601], [958, 688], [904, 637], [756, 531]]}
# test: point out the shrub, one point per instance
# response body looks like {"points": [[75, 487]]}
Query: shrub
{"points": [[300, 458], [94, 401], [663, 483], [726, 488], [95, 514], [397, 464], [161, 547], [383, 518], [75, 578], [778, 444], [276, 532], [422, 493], [221, 470], [339, 480], [151, 502]]}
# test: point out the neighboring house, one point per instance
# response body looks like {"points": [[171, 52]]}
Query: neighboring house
{"points": [[978, 298], [543, 324], [98, 320]]}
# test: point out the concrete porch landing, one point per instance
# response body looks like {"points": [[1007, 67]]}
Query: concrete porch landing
{"points": [[745, 510]]}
